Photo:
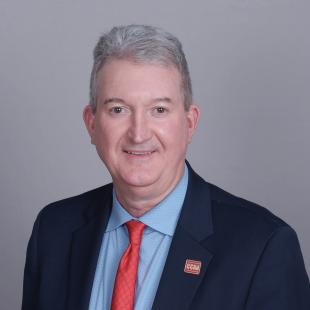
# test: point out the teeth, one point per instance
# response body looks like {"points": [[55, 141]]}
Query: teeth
{"points": [[139, 153]]}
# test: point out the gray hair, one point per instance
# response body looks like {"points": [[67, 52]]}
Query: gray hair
{"points": [[141, 44]]}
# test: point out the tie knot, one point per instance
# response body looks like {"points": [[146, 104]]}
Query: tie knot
{"points": [[135, 230]]}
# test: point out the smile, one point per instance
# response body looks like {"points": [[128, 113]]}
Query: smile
{"points": [[139, 153]]}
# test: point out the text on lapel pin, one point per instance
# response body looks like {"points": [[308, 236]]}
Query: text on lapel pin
{"points": [[192, 266]]}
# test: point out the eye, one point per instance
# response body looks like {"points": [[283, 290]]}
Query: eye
{"points": [[160, 110], [116, 110]]}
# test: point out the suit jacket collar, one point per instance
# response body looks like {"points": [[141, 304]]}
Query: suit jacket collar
{"points": [[196, 215]]}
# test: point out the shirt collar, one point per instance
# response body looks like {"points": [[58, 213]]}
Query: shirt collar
{"points": [[163, 217]]}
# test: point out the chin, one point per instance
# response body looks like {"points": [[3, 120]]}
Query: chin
{"points": [[139, 179]]}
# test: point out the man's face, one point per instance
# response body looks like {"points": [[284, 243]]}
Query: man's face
{"points": [[140, 128]]}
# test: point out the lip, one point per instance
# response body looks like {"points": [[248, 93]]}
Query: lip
{"points": [[139, 153]]}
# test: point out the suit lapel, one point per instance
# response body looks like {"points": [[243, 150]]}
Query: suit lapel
{"points": [[177, 288], [86, 243]]}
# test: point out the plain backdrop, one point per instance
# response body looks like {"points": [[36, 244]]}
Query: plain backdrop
{"points": [[249, 62]]}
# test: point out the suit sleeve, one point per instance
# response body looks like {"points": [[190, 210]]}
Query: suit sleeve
{"points": [[280, 280], [31, 271]]}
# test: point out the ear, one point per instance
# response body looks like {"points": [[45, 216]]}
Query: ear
{"points": [[193, 115], [89, 120]]}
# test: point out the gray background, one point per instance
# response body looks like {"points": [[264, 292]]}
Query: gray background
{"points": [[250, 69]]}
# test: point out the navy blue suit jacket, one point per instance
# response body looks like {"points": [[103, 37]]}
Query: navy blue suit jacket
{"points": [[250, 259]]}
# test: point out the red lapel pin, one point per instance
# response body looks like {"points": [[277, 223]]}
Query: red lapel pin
{"points": [[192, 266]]}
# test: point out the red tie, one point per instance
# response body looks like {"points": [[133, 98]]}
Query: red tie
{"points": [[125, 281]]}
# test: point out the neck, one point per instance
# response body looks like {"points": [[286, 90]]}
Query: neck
{"points": [[136, 205], [139, 200]]}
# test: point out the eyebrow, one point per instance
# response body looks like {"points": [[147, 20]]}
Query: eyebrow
{"points": [[162, 99], [113, 99], [119, 100]]}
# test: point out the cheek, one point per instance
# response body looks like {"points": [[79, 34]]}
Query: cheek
{"points": [[104, 131], [108, 138], [174, 134]]}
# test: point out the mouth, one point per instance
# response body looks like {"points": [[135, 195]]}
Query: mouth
{"points": [[139, 153]]}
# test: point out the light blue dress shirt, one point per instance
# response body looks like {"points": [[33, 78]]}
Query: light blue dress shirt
{"points": [[161, 222]]}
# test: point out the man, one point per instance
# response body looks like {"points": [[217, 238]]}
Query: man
{"points": [[159, 237]]}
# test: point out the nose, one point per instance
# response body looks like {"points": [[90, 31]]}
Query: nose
{"points": [[139, 129]]}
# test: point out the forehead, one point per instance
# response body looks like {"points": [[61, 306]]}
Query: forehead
{"points": [[124, 77]]}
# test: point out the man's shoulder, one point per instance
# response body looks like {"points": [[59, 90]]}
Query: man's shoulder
{"points": [[233, 214], [229, 211], [236, 206], [76, 208]]}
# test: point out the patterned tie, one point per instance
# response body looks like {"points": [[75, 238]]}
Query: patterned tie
{"points": [[125, 281]]}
